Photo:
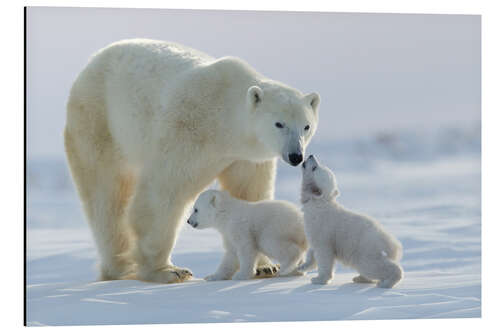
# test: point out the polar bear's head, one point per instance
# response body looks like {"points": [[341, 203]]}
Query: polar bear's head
{"points": [[286, 120], [205, 209], [318, 182]]}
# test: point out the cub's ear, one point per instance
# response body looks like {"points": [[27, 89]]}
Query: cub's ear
{"points": [[216, 198], [254, 96], [313, 100], [316, 191], [213, 200]]}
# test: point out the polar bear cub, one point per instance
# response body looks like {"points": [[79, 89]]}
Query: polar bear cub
{"points": [[335, 233], [249, 230]]}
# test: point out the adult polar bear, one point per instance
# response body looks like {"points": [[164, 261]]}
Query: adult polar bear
{"points": [[150, 124]]}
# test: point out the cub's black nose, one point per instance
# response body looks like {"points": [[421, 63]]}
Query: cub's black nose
{"points": [[295, 159]]}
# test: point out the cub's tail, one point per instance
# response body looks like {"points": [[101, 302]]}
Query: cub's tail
{"points": [[393, 250]]}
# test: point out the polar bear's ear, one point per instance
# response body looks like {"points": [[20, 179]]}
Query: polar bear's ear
{"points": [[254, 96], [313, 100], [336, 193]]}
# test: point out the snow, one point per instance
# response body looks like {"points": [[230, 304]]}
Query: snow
{"points": [[424, 187]]}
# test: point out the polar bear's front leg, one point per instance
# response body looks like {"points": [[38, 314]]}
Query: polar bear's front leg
{"points": [[155, 218], [249, 181], [227, 267], [253, 182]]}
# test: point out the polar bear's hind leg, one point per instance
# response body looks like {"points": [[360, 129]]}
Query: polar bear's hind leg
{"points": [[103, 184]]}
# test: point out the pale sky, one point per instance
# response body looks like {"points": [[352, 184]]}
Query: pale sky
{"points": [[374, 72]]}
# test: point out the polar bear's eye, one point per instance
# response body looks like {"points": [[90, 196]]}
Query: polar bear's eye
{"points": [[279, 125], [307, 128], [314, 168], [196, 210]]}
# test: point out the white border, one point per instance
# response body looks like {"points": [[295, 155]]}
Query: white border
{"points": [[12, 152]]}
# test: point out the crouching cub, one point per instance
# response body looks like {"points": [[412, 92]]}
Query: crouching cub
{"points": [[250, 230], [334, 232]]}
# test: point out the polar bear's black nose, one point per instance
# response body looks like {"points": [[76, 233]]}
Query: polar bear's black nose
{"points": [[295, 158]]}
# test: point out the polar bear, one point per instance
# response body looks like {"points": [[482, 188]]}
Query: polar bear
{"points": [[150, 124], [251, 229], [334, 232]]}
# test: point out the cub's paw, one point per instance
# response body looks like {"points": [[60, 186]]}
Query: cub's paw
{"points": [[267, 271], [294, 272], [388, 283], [303, 268], [306, 267], [214, 277], [361, 279], [320, 280], [242, 276]]}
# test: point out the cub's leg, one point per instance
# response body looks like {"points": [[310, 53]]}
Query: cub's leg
{"points": [[247, 255], [392, 275], [310, 262], [227, 267], [383, 269], [289, 259], [253, 182], [326, 261]]}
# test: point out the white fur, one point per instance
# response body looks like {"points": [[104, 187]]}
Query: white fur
{"points": [[150, 124], [249, 230], [336, 233]]}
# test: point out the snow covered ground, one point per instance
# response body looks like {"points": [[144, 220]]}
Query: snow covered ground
{"points": [[425, 187], [379, 75]]}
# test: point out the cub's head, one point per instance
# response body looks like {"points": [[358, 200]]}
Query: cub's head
{"points": [[318, 182], [205, 209], [286, 120]]}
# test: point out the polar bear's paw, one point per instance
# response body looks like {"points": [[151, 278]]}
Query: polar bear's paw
{"points": [[320, 280], [170, 274], [267, 271], [361, 279]]}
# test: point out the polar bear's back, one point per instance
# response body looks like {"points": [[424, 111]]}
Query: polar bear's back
{"points": [[135, 80], [281, 219], [358, 234], [138, 54], [135, 63]]}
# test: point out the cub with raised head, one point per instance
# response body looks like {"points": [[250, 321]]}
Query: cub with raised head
{"points": [[336, 233]]}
